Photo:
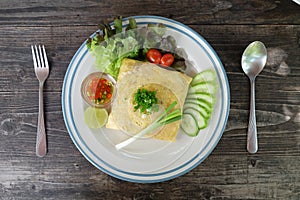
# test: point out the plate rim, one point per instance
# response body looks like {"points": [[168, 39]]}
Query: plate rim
{"points": [[149, 17]]}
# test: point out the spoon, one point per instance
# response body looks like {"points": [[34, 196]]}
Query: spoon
{"points": [[253, 61]]}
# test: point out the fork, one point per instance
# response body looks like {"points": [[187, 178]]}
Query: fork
{"points": [[41, 68]]}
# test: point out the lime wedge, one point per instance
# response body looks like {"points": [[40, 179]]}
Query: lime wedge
{"points": [[95, 117]]}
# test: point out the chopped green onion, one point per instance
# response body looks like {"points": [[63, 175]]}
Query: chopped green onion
{"points": [[144, 100]]}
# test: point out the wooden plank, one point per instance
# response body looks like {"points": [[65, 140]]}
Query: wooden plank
{"points": [[57, 13]]}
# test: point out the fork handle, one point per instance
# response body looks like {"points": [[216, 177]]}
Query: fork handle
{"points": [[41, 146]]}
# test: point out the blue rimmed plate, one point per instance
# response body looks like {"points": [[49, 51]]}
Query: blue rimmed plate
{"points": [[147, 160]]}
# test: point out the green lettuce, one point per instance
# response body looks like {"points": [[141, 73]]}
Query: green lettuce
{"points": [[111, 45], [110, 53]]}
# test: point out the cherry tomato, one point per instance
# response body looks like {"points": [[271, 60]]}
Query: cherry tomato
{"points": [[167, 60], [154, 56]]}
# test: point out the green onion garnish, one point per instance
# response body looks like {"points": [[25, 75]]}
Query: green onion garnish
{"points": [[163, 119]]}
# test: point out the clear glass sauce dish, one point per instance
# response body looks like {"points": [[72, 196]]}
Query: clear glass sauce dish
{"points": [[99, 90]]}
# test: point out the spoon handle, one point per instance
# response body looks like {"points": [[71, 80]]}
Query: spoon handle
{"points": [[252, 130]]}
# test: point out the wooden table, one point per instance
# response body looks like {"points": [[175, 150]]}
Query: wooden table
{"points": [[228, 173]]}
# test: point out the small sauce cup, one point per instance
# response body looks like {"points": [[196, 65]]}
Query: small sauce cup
{"points": [[99, 90]]}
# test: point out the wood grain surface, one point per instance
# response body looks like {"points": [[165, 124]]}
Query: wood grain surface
{"points": [[228, 173]]}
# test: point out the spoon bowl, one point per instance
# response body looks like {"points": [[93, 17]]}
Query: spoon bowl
{"points": [[253, 61]]}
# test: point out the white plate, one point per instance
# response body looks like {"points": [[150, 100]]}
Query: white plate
{"points": [[146, 160]]}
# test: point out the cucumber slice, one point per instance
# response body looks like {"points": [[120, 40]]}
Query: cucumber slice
{"points": [[200, 120], [204, 76], [207, 106], [207, 87], [206, 113], [189, 125], [206, 97], [199, 102]]}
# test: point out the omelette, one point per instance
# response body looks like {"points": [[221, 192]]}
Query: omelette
{"points": [[169, 85]]}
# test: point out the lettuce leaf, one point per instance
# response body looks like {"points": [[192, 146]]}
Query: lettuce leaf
{"points": [[110, 53], [111, 45]]}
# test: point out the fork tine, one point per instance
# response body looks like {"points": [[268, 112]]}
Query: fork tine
{"points": [[33, 57], [45, 57], [41, 56], [37, 56]]}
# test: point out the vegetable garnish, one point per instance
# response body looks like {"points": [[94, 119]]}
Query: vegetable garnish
{"points": [[163, 119], [199, 102], [167, 60], [111, 44], [100, 90], [155, 56], [145, 101]]}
